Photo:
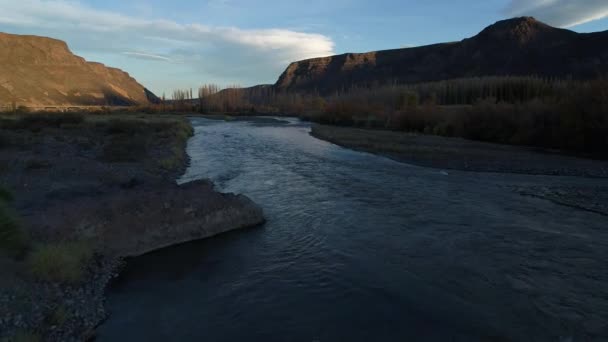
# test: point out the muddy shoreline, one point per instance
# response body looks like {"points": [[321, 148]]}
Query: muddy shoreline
{"points": [[108, 183]]}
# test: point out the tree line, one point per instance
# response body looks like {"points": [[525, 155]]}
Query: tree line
{"points": [[553, 113]]}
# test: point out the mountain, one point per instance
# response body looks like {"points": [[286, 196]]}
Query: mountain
{"points": [[39, 71], [519, 46]]}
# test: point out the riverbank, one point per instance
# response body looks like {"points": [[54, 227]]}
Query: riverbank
{"points": [[86, 192], [460, 154], [466, 155]]}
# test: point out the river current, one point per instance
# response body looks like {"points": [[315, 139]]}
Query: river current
{"points": [[359, 247]]}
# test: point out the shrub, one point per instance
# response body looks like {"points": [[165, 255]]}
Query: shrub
{"points": [[170, 163], [24, 336], [59, 316], [38, 121], [125, 148], [64, 262], [5, 141], [13, 238], [22, 109], [5, 195], [33, 164], [124, 126], [570, 116]]}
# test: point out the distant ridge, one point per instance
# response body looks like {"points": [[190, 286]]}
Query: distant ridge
{"points": [[38, 71], [520, 46]]}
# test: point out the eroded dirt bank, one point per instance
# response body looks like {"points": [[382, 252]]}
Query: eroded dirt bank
{"points": [[86, 192]]}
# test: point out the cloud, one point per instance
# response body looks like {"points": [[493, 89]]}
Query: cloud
{"points": [[232, 53], [562, 13], [144, 55]]}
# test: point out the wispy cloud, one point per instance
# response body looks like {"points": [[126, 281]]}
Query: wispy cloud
{"points": [[562, 13], [225, 52], [143, 55]]}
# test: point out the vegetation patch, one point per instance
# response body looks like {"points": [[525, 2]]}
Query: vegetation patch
{"points": [[171, 163], [13, 238], [37, 121], [125, 126], [24, 336], [5, 140], [59, 316], [125, 148], [519, 111], [33, 164], [64, 262], [5, 195]]}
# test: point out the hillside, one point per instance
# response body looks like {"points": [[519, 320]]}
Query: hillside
{"points": [[520, 46], [39, 71]]}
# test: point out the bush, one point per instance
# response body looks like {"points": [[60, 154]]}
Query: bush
{"points": [[64, 262], [24, 336], [33, 121], [38, 121], [5, 195], [59, 316], [22, 110], [5, 141], [567, 116], [125, 126], [170, 163], [13, 238], [33, 164], [125, 148]]}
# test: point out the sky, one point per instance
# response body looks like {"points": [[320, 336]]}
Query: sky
{"points": [[169, 44]]}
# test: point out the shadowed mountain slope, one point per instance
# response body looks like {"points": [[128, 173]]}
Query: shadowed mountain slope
{"points": [[519, 46]]}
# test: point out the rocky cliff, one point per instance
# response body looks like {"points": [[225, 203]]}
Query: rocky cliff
{"points": [[520, 46], [39, 71]]}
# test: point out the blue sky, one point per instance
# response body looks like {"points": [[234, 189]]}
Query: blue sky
{"points": [[247, 42]]}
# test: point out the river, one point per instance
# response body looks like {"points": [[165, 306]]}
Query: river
{"points": [[359, 247]]}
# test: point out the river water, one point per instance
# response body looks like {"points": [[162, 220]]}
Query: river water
{"points": [[358, 247]]}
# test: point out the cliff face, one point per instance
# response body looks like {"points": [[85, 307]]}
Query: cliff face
{"points": [[39, 71], [520, 46]]}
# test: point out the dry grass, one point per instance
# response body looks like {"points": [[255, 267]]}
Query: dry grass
{"points": [[34, 164], [37, 121], [124, 148], [59, 316], [13, 238], [132, 138], [64, 262], [24, 336]]}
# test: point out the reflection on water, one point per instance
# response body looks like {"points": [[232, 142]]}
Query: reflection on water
{"points": [[356, 248]]}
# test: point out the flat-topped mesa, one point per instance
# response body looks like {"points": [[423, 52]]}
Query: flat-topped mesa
{"points": [[519, 46], [26, 49], [39, 71]]}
